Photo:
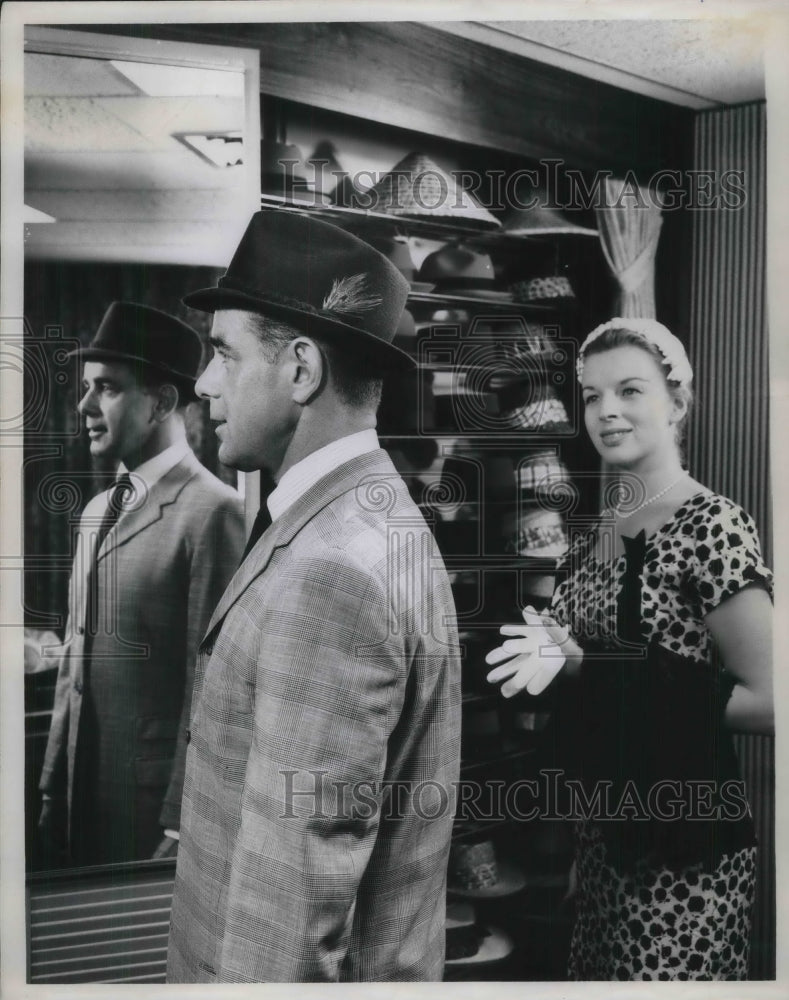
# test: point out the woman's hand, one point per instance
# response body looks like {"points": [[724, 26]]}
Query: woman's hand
{"points": [[535, 657]]}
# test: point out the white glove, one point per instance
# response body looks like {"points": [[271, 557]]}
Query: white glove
{"points": [[534, 659]]}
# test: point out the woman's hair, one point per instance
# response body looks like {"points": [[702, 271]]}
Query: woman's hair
{"points": [[620, 337]]}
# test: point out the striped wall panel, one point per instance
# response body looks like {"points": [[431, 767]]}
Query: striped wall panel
{"points": [[728, 446], [105, 928]]}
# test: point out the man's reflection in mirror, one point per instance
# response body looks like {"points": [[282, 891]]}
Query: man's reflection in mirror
{"points": [[153, 555]]}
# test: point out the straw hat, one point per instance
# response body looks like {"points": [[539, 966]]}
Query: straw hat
{"points": [[419, 188], [476, 872], [535, 532]]}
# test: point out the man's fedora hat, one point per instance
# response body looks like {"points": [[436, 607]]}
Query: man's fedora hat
{"points": [[318, 277], [141, 335]]}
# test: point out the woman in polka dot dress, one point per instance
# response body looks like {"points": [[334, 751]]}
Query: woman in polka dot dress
{"points": [[655, 899]]}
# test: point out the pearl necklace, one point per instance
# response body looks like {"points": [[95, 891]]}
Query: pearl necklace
{"points": [[652, 499]]}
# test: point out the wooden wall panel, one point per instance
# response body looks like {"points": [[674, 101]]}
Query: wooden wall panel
{"points": [[411, 75]]}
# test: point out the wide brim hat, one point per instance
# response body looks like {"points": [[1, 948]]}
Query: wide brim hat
{"points": [[471, 943], [284, 174], [147, 338], [457, 267], [319, 278], [417, 187], [542, 220]]}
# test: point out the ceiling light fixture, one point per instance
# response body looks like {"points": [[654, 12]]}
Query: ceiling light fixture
{"points": [[220, 149]]}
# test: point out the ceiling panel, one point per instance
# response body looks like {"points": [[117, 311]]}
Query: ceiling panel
{"points": [[720, 60], [69, 76]]}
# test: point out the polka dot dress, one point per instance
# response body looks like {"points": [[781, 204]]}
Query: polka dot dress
{"points": [[656, 923]]}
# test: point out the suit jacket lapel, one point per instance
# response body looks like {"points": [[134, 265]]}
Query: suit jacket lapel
{"points": [[357, 474], [164, 492]]}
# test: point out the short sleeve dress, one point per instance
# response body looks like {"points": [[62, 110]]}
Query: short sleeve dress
{"points": [[657, 923]]}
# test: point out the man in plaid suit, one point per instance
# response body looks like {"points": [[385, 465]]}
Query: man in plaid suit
{"points": [[324, 739]]}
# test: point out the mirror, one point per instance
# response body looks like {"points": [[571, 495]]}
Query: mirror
{"points": [[141, 170]]}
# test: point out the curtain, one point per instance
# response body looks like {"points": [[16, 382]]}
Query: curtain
{"points": [[629, 223]]}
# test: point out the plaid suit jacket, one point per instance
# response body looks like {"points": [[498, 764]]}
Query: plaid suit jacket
{"points": [[324, 750]]}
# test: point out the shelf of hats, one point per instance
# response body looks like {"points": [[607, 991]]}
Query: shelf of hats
{"points": [[485, 434]]}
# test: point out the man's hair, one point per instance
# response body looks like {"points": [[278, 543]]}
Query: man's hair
{"points": [[351, 377]]}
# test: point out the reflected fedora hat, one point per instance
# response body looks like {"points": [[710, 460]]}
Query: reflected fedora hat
{"points": [[318, 277], [142, 336]]}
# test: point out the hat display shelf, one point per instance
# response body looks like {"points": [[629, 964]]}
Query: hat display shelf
{"points": [[494, 388], [491, 322]]}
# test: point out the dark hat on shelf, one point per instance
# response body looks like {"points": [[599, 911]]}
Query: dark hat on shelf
{"points": [[419, 188], [469, 942], [456, 269], [542, 220], [141, 335], [398, 250], [345, 193], [283, 175], [325, 167], [315, 275]]}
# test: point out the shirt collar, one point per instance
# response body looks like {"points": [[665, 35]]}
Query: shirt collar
{"points": [[304, 474], [157, 467]]}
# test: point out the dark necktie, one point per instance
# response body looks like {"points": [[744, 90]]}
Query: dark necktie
{"points": [[259, 525], [119, 496], [263, 517]]}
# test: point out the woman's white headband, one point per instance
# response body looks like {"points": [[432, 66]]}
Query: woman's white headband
{"points": [[654, 333]]}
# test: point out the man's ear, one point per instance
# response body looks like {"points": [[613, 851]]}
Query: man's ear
{"points": [[309, 369], [167, 400]]}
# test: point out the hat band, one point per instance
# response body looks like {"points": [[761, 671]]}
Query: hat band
{"points": [[275, 298], [349, 295]]}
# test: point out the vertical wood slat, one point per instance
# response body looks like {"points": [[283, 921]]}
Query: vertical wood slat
{"points": [[728, 446]]}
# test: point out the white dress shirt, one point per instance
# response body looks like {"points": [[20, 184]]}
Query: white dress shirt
{"points": [[304, 474]]}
